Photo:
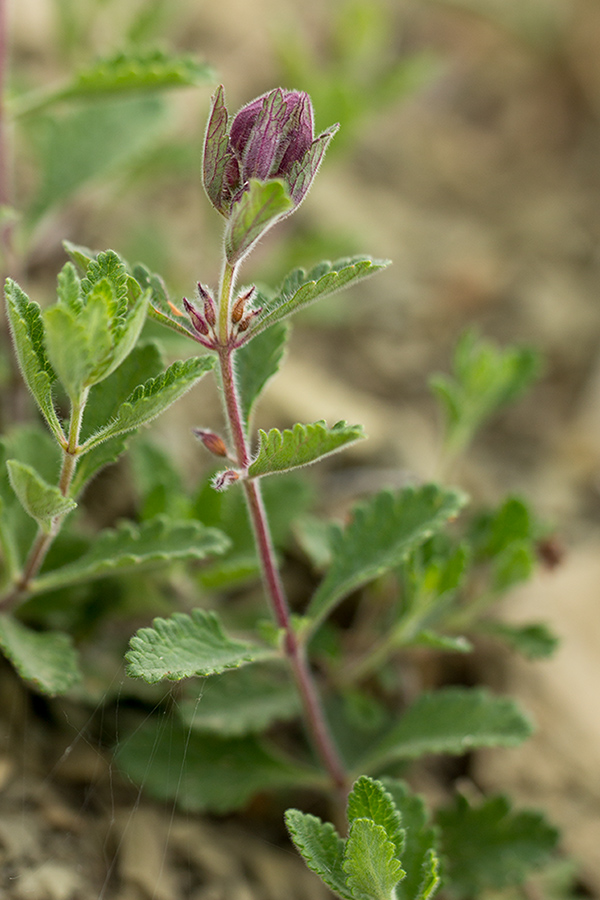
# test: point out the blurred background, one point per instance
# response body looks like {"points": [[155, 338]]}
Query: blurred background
{"points": [[469, 154]]}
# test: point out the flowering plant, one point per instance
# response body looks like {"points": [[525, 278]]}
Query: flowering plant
{"points": [[256, 170]]}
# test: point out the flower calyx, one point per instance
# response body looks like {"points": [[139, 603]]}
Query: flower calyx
{"points": [[203, 322]]}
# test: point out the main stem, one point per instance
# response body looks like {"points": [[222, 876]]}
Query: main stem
{"points": [[295, 652]]}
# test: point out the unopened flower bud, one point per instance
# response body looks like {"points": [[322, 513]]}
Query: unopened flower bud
{"points": [[195, 318], [271, 137], [247, 320], [223, 480], [210, 313], [212, 441], [239, 307]]}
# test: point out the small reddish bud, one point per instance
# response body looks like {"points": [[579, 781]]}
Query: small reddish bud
{"points": [[247, 320], [211, 441], [223, 480], [239, 307], [195, 318], [210, 313]]}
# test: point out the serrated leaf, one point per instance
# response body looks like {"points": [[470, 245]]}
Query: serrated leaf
{"points": [[321, 848], [80, 255], [46, 659], [300, 288], [144, 70], [68, 288], [27, 329], [202, 771], [121, 74], [187, 645], [242, 701], [382, 532], [130, 546], [42, 501], [150, 399], [419, 857], [430, 880], [491, 846], [303, 444], [369, 862], [255, 364], [451, 720], [260, 206], [370, 800]]}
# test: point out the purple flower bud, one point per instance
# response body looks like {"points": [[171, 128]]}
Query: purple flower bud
{"points": [[271, 137]]}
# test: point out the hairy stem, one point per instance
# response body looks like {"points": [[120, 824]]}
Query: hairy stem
{"points": [[44, 539], [313, 713]]}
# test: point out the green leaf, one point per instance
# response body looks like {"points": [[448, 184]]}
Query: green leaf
{"points": [[485, 378], [321, 848], [303, 444], [369, 862], [255, 364], [419, 857], [143, 363], [382, 532], [144, 70], [438, 641], [261, 205], [242, 701], [41, 500], [183, 646], [150, 399], [490, 846], [47, 660], [68, 288], [27, 329], [128, 547], [202, 771], [300, 288], [90, 143], [370, 800], [535, 640], [451, 720]]}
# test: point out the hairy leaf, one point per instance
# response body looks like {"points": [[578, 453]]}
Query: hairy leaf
{"points": [[129, 546], [321, 848], [202, 771], [47, 660], [451, 720], [187, 645], [256, 363], [27, 329], [303, 444], [419, 857], [491, 846], [382, 532], [260, 206], [41, 500], [300, 288], [369, 862], [242, 701], [152, 397], [370, 800]]}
